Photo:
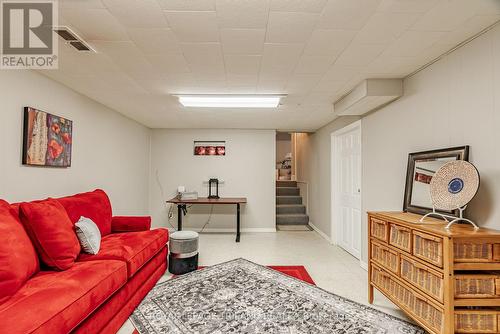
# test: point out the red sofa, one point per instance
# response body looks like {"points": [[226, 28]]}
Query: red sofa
{"points": [[99, 292]]}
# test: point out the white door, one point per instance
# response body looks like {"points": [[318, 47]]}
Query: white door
{"points": [[346, 187]]}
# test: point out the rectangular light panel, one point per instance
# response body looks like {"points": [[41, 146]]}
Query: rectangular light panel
{"points": [[230, 101]]}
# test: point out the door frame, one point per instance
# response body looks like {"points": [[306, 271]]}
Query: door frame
{"points": [[334, 226]]}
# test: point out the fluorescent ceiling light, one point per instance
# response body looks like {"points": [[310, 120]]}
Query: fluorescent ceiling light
{"points": [[230, 101]]}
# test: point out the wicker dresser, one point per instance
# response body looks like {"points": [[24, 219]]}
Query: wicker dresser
{"points": [[447, 281]]}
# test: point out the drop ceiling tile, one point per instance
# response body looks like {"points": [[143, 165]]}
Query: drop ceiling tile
{"points": [[341, 73], [308, 6], [301, 83], [178, 84], [83, 63], [193, 26], [94, 24], [469, 29], [412, 43], [242, 41], [360, 54], [485, 7], [400, 66], [314, 64], [288, 27], [242, 64], [347, 14], [169, 64], [271, 86], [242, 13], [137, 14], [386, 27], [204, 58], [155, 41], [128, 57], [280, 59], [328, 42], [87, 4], [242, 80], [328, 86], [183, 5], [446, 16], [406, 6]]}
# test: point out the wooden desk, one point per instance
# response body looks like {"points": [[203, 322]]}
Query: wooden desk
{"points": [[182, 206]]}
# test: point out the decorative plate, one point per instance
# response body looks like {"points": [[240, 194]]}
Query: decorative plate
{"points": [[454, 185]]}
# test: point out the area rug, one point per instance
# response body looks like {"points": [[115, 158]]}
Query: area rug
{"points": [[240, 296], [299, 272]]}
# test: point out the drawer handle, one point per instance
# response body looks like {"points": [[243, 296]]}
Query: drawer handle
{"points": [[384, 274]]}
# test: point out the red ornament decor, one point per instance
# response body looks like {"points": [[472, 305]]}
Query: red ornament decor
{"points": [[214, 148]]}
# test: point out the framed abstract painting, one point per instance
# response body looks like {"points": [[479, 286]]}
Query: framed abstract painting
{"points": [[47, 139]]}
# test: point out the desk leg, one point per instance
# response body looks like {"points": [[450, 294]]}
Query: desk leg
{"points": [[179, 217], [238, 222]]}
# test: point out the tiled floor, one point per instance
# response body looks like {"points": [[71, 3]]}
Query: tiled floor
{"points": [[331, 268]]}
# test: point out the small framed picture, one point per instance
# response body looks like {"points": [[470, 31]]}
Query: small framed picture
{"points": [[210, 148]]}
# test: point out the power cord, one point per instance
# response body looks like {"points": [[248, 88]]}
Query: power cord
{"points": [[170, 208], [208, 220]]}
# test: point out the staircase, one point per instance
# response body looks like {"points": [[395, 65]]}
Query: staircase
{"points": [[289, 207]]}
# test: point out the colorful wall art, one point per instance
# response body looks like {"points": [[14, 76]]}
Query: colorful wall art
{"points": [[47, 139]]}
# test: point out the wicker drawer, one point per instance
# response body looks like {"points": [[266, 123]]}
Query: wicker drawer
{"points": [[379, 229], [414, 303], [424, 278], [387, 258], [400, 237], [485, 285], [428, 248], [477, 321], [476, 252]]}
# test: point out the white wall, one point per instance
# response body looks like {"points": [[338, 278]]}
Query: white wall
{"points": [[247, 170], [283, 147], [313, 166], [109, 151], [454, 102]]}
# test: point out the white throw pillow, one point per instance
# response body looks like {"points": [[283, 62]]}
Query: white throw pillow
{"points": [[89, 235]]}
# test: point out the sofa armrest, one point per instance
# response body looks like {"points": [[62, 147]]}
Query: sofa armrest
{"points": [[130, 224]]}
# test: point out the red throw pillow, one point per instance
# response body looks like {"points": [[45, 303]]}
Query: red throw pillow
{"points": [[18, 259], [52, 232], [94, 205]]}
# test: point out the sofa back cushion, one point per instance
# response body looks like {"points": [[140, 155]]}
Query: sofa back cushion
{"points": [[52, 232], [94, 205], [18, 259]]}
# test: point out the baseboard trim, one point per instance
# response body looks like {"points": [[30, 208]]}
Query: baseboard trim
{"points": [[321, 233], [363, 265], [243, 230]]}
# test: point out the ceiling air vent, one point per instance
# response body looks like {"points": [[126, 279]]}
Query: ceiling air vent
{"points": [[369, 95], [73, 39]]}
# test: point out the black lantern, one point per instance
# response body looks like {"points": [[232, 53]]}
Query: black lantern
{"points": [[211, 183]]}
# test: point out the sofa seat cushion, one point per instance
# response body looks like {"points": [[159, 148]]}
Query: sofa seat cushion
{"points": [[56, 302], [135, 248], [94, 205], [18, 259]]}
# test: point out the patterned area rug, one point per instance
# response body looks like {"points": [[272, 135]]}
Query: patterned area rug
{"points": [[298, 272], [240, 296]]}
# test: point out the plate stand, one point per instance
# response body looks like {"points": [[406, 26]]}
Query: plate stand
{"points": [[450, 219]]}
